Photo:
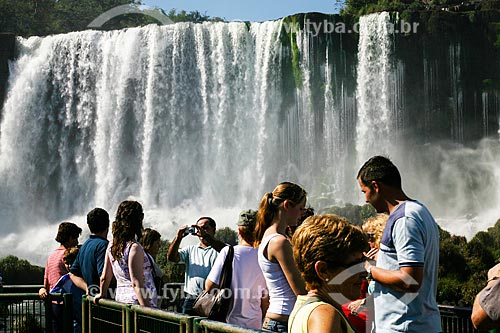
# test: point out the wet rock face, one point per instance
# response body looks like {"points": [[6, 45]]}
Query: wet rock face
{"points": [[7, 45]]}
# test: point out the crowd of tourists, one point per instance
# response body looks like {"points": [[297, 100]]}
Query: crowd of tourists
{"points": [[292, 271]]}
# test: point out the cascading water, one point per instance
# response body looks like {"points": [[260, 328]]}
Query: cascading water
{"points": [[203, 119], [176, 115], [459, 183], [375, 119]]}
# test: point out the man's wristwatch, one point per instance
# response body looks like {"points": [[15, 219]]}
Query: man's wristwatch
{"points": [[369, 271]]}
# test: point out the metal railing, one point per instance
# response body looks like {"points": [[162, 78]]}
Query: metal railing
{"points": [[20, 310], [26, 312], [203, 325], [110, 317], [456, 319]]}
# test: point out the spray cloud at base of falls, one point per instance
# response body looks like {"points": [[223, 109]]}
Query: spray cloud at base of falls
{"points": [[197, 118]]}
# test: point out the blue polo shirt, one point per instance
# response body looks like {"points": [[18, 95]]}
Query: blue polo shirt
{"points": [[89, 262], [410, 239]]}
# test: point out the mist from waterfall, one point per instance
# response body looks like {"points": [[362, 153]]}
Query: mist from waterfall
{"points": [[194, 119]]}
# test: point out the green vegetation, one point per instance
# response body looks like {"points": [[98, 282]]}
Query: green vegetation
{"points": [[194, 16], [363, 7], [173, 272], [29, 18], [227, 235], [355, 214], [464, 265], [294, 27], [20, 271]]}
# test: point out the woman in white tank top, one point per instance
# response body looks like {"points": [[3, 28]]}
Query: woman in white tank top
{"points": [[279, 209]]}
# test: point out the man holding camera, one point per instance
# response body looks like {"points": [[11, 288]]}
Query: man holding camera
{"points": [[199, 258]]}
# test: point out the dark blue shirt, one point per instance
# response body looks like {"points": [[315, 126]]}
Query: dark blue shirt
{"points": [[89, 262]]}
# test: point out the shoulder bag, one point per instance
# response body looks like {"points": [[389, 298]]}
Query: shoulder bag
{"points": [[216, 303]]}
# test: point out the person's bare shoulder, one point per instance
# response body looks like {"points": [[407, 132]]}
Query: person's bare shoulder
{"points": [[324, 318]]}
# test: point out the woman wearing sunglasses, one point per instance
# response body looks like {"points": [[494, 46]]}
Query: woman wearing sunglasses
{"points": [[328, 251]]}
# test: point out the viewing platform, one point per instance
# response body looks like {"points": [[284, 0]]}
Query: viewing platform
{"points": [[21, 310]]}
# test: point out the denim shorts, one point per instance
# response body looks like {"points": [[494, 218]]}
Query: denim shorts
{"points": [[187, 307], [275, 326]]}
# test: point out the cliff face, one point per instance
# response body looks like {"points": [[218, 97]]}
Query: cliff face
{"points": [[7, 45], [442, 72], [451, 71]]}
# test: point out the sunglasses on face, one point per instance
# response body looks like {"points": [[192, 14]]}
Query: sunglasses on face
{"points": [[357, 262]]}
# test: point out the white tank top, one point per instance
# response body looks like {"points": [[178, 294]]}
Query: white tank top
{"points": [[281, 296]]}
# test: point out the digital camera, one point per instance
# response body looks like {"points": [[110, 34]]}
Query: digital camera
{"points": [[191, 230]]}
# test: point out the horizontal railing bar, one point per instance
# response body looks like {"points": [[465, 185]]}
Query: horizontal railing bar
{"points": [[109, 303], [157, 313], [224, 327], [27, 296]]}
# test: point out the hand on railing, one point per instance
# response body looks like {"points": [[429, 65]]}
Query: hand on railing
{"points": [[44, 295], [98, 297]]}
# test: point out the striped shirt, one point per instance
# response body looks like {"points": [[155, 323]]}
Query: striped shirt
{"points": [[55, 268]]}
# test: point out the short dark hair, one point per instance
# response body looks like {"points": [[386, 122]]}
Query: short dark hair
{"points": [[98, 220], [380, 168], [211, 221], [67, 230]]}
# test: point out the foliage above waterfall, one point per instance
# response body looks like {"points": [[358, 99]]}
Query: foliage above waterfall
{"points": [[28, 17], [363, 7]]}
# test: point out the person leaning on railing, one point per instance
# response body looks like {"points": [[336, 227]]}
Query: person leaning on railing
{"points": [[67, 236], [486, 309], [127, 260]]}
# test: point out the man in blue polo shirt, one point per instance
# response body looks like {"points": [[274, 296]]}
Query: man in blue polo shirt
{"points": [[89, 263], [199, 259], [407, 265]]}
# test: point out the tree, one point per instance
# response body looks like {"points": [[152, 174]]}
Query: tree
{"points": [[174, 272], [227, 235], [27, 17], [20, 271], [193, 16], [353, 213]]}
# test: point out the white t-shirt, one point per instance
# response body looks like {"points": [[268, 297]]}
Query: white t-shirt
{"points": [[248, 286]]}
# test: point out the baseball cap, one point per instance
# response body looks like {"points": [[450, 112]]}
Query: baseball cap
{"points": [[247, 218]]}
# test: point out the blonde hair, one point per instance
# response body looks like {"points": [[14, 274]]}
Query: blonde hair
{"points": [[328, 238], [375, 225]]}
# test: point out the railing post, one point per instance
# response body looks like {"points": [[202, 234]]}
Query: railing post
{"points": [[68, 313], [130, 318], [48, 315], [85, 314]]}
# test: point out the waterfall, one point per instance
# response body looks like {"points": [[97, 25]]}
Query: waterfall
{"points": [[375, 117], [203, 119]]}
